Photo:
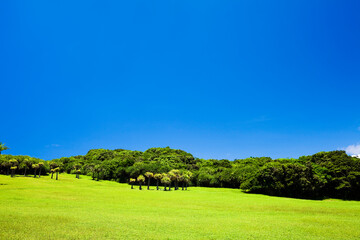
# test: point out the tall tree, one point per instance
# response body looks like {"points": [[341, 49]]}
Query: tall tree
{"points": [[3, 147], [149, 175]]}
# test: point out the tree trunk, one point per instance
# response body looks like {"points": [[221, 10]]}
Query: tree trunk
{"points": [[140, 185], [52, 175], [25, 172], [164, 187], [93, 176], [182, 186], [186, 186], [157, 184], [132, 186], [57, 174], [39, 172], [34, 173], [148, 184], [12, 172]]}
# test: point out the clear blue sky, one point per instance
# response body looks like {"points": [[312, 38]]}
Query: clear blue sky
{"points": [[219, 79]]}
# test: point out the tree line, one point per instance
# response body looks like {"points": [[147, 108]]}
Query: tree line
{"points": [[331, 174]]}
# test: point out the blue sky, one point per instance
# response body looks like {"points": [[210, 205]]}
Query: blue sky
{"points": [[219, 79]]}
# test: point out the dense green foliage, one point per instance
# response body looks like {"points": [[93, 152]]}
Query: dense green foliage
{"points": [[71, 208], [322, 175]]}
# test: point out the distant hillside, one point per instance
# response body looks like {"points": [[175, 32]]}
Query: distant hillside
{"points": [[325, 174]]}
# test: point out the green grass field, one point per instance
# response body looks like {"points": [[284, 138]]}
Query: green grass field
{"points": [[85, 209]]}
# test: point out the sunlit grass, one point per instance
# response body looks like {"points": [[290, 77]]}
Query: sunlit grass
{"points": [[84, 209]]}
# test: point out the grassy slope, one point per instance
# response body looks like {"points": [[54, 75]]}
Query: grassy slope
{"points": [[84, 209]]}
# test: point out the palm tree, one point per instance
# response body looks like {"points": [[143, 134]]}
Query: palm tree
{"points": [[41, 164], [25, 165], [166, 180], [52, 172], [13, 166], [140, 179], [53, 165], [132, 180], [149, 175], [158, 177], [35, 167], [187, 177], [175, 176], [181, 179], [57, 170], [3, 147]]}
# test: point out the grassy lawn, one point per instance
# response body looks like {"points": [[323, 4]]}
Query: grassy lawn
{"points": [[84, 209]]}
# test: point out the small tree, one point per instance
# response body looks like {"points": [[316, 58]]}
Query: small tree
{"points": [[53, 166], [13, 166], [13, 171], [181, 179], [41, 164], [132, 181], [175, 176], [77, 170], [158, 177], [3, 147], [187, 177], [78, 174], [98, 169], [35, 167], [6, 165], [149, 175], [57, 170], [141, 180], [172, 177], [166, 181], [91, 168], [26, 164]]}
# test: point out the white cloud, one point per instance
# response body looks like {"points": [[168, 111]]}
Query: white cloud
{"points": [[353, 149]]}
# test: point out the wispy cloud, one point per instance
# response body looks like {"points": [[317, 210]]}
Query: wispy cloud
{"points": [[353, 149], [53, 145]]}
